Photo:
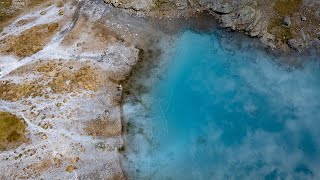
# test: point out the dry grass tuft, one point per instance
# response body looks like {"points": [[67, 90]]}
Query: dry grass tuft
{"points": [[59, 76], [287, 7], [8, 10], [12, 131], [102, 127]]}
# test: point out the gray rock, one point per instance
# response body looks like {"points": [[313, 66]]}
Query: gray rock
{"points": [[318, 35], [257, 29], [206, 3], [245, 19], [182, 4], [224, 8], [138, 5], [303, 18], [267, 39], [293, 43], [286, 22], [316, 43], [246, 15], [241, 18], [227, 21]]}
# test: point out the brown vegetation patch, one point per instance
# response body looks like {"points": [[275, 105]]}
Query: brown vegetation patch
{"points": [[34, 170], [30, 41], [70, 168], [102, 127], [281, 33], [283, 8], [162, 5], [9, 9], [12, 131], [5, 3], [59, 76], [83, 78], [287, 7], [301, 30], [4, 15], [311, 26], [13, 92]]}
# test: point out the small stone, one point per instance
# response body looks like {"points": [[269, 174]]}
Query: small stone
{"points": [[303, 18], [121, 149], [75, 160], [100, 145], [44, 137], [22, 22], [70, 169], [318, 35], [43, 13], [106, 112], [60, 12], [45, 126], [286, 22]]}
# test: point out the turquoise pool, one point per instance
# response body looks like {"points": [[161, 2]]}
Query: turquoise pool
{"points": [[226, 112]]}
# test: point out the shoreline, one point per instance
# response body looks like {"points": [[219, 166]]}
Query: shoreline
{"points": [[259, 19], [140, 131], [132, 88]]}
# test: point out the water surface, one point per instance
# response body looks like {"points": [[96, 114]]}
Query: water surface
{"points": [[222, 111]]}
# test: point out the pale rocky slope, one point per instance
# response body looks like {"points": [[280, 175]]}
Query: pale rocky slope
{"points": [[61, 67]]}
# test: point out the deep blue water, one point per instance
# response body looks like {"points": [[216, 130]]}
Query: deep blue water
{"points": [[228, 112]]}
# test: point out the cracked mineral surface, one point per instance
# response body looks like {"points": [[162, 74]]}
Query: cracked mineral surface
{"points": [[60, 75]]}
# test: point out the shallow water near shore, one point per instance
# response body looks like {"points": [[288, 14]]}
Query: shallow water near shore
{"points": [[220, 111]]}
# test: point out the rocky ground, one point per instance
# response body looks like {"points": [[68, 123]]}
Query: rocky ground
{"points": [[280, 24]]}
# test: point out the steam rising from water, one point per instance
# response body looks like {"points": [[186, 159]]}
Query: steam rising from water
{"points": [[225, 112]]}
